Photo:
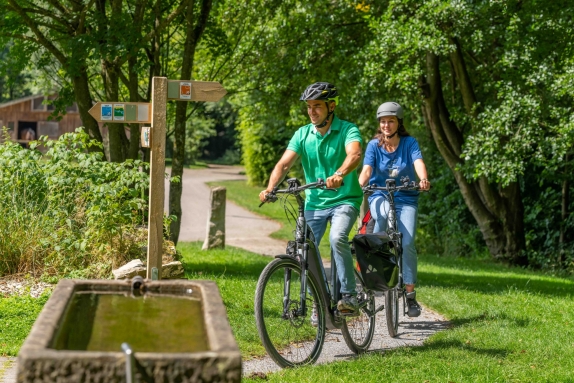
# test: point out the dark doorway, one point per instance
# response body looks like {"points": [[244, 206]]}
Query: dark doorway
{"points": [[27, 130]]}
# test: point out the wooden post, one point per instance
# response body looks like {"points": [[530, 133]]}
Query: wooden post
{"points": [[157, 175], [215, 236]]}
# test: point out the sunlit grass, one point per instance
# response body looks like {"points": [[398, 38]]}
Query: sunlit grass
{"points": [[17, 315]]}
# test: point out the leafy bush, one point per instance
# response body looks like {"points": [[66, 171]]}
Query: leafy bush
{"points": [[263, 142], [543, 221], [68, 212]]}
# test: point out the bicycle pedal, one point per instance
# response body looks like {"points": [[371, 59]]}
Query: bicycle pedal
{"points": [[349, 313]]}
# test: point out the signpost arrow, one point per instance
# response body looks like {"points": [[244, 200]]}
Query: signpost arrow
{"points": [[186, 90], [122, 112]]}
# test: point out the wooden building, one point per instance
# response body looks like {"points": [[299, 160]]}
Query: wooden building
{"points": [[27, 119]]}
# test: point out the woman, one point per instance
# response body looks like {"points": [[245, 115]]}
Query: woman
{"points": [[393, 153]]}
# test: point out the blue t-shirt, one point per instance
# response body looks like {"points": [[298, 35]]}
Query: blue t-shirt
{"points": [[397, 164]]}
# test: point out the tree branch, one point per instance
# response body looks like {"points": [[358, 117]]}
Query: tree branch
{"points": [[154, 32], [60, 7], [42, 40], [464, 83]]}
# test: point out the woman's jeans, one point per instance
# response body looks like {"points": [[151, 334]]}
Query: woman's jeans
{"points": [[407, 222], [343, 218]]}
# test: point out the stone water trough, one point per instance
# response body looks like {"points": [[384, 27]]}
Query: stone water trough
{"points": [[131, 331]]}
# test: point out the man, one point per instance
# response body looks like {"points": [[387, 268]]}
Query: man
{"points": [[330, 148]]}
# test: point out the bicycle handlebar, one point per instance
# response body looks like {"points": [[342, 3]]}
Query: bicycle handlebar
{"points": [[295, 188], [406, 184]]}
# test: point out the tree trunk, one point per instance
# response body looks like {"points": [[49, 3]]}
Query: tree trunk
{"points": [[134, 143], [84, 101], [194, 31], [498, 211], [116, 132]]}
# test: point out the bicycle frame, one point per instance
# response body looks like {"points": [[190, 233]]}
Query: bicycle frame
{"points": [[307, 255], [392, 230], [311, 262], [392, 226]]}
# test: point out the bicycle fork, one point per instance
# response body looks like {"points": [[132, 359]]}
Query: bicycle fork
{"points": [[302, 249]]}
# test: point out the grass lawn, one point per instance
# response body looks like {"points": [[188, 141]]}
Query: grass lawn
{"points": [[248, 197], [17, 315], [508, 325]]}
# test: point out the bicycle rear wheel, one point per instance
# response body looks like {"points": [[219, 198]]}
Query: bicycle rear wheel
{"points": [[392, 311], [358, 331], [287, 334]]}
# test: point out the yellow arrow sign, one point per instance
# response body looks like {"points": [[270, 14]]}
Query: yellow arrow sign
{"points": [[186, 90], [122, 112]]}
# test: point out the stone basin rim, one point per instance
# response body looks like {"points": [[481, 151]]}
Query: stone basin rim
{"points": [[219, 334]]}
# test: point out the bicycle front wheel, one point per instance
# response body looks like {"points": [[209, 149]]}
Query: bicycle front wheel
{"points": [[289, 335], [392, 311], [358, 331]]}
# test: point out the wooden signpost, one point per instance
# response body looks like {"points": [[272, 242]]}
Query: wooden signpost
{"points": [[122, 112], [154, 138]]}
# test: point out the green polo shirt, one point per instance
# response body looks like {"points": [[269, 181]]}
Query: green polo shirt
{"points": [[321, 157]]}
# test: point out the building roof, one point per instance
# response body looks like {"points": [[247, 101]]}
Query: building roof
{"points": [[20, 100]]}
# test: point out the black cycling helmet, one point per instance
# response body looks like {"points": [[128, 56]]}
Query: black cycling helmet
{"points": [[390, 109], [322, 91]]}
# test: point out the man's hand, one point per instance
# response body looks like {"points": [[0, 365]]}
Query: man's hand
{"points": [[263, 195], [334, 181]]}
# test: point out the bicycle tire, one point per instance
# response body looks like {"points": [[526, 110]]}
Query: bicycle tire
{"points": [[358, 331], [289, 339], [392, 311]]}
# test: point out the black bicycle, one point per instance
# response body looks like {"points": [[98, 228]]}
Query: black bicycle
{"points": [[294, 302], [391, 251]]}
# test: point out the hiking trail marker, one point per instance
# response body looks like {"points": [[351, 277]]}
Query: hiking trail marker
{"points": [[122, 112], [155, 113]]}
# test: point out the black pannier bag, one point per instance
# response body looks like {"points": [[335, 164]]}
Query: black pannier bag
{"points": [[377, 263]]}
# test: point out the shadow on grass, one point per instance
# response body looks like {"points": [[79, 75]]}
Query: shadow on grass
{"points": [[484, 317], [440, 345], [493, 284], [485, 276], [444, 344]]}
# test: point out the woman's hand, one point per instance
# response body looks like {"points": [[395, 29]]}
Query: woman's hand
{"points": [[424, 184]]}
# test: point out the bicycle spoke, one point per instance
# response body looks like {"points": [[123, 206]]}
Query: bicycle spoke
{"points": [[289, 338], [358, 331]]}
